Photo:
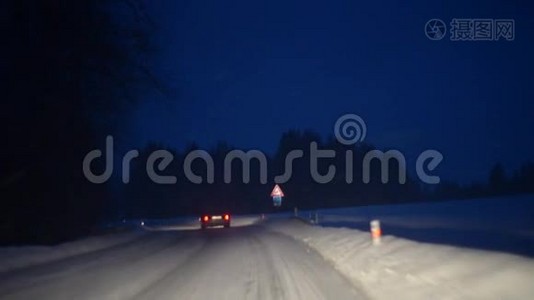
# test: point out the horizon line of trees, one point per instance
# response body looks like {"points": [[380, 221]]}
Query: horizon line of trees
{"points": [[143, 198], [498, 183]]}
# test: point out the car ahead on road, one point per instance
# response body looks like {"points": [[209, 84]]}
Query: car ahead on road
{"points": [[211, 220]]}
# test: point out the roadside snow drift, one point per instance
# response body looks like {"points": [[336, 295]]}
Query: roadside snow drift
{"points": [[503, 224], [404, 269], [19, 257]]}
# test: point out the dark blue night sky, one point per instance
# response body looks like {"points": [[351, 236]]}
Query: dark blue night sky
{"points": [[245, 72]]}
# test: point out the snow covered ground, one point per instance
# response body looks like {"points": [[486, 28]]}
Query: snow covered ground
{"points": [[401, 268], [503, 224], [287, 258], [20, 257], [242, 262]]}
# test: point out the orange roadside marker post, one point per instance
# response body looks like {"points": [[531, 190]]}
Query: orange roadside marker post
{"points": [[376, 232]]}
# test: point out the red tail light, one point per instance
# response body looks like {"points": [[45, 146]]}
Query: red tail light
{"points": [[206, 218], [226, 217]]}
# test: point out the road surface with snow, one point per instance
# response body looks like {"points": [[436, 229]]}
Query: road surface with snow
{"points": [[244, 262], [288, 258]]}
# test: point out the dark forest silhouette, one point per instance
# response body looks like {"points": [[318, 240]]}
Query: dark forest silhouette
{"points": [[73, 68], [146, 199]]}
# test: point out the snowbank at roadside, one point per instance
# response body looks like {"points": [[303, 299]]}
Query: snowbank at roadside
{"points": [[19, 257], [25, 256], [404, 269]]}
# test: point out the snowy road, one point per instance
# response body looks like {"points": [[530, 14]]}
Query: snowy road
{"points": [[246, 262]]}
